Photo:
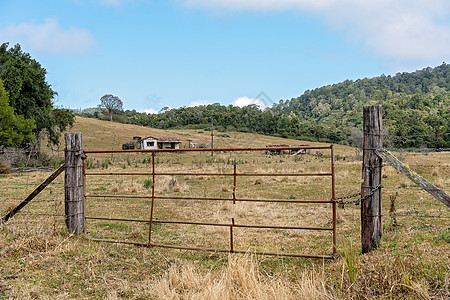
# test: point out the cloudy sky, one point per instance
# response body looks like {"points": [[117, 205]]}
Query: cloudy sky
{"points": [[157, 53]]}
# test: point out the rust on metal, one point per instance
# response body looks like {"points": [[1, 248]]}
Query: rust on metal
{"points": [[205, 198], [153, 198], [234, 184], [231, 235], [333, 198], [212, 224], [117, 219], [214, 249], [206, 174], [208, 149]]}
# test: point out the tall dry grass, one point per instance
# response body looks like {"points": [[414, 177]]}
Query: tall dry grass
{"points": [[239, 279]]}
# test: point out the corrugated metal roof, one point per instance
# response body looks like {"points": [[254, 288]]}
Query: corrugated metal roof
{"points": [[164, 139], [277, 146]]}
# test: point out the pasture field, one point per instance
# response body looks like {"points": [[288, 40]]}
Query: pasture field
{"points": [[40, 260]]}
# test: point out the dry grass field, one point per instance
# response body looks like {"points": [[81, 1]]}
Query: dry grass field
{"points": [[40, 260]]}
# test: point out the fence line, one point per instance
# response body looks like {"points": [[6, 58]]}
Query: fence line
{"points": [[420, 216], [9, 184], [26, 213], [410, 188], [17, 200], [420, 135]]}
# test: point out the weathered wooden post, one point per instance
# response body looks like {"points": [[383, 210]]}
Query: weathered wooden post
{"points": [[371, 223], [74, 183]]}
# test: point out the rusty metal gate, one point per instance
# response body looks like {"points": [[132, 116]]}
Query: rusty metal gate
{"points": [[154, 220]]}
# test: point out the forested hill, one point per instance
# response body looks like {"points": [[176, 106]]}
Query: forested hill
{"points": [[416, 105], [327, 104], [416, 112]]}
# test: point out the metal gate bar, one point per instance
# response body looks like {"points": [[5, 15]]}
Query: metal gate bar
{"points": [[209, 174], [205, 198], [214, 249], [234, 199], [211, 224], [211, 149]]}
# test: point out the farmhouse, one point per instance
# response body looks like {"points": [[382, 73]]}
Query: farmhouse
{"points": [[151, 142]]}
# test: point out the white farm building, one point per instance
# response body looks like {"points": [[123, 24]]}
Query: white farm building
{"points": [[151, 142]]}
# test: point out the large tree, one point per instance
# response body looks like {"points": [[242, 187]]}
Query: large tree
{"points": [[14, 129], [30, 95], [110, 105]]}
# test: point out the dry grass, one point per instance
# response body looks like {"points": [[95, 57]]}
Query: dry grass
{"points": [[39, 260], [239, 279]]}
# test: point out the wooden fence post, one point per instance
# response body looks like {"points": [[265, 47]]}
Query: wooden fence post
{"points": [[74, 183], [371, 224]]}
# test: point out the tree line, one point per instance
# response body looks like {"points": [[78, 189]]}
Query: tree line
{"points": [[226, 118]]}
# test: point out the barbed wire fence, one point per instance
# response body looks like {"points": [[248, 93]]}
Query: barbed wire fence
{"points": [[435, 171], [48, 206]]}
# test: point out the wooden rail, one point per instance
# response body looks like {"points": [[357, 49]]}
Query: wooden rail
{"points": [[414, 177]]}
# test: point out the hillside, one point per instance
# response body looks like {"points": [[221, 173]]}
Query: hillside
{"points": [[416, 105], [416, 112], [99, 134]]}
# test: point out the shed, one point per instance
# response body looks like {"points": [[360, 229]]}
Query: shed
{"points": [[151, 142]]}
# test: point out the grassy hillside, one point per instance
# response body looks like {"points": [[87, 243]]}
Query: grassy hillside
{"points": [[98, 134]]}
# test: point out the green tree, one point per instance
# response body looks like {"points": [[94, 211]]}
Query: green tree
{"points": [[29, 93], [110, 105], [14, 129]]}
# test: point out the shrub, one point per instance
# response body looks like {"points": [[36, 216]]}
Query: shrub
{"points": [[444, 235], [148, 182], [89, 163], [4, 168], [105, 164]]}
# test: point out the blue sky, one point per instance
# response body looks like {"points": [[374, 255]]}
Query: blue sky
{"points": [[155, 53]]}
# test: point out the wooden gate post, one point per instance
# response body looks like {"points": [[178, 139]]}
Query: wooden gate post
{"points": [[74, 183], [371, 224]]}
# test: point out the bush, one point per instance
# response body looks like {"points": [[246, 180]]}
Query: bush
{"points": [[105, 164], [444, 235], [4, 168], [202, 145], [148, 182], [21, 158]]}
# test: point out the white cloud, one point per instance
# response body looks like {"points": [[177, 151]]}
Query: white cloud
{"points": [[48, 37], [245, 101], [198, 103], [150, 111], [412, 29]]}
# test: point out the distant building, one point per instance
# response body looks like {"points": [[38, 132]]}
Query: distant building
{"points": [[131, 144], [151, 142], [271, 151]]}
